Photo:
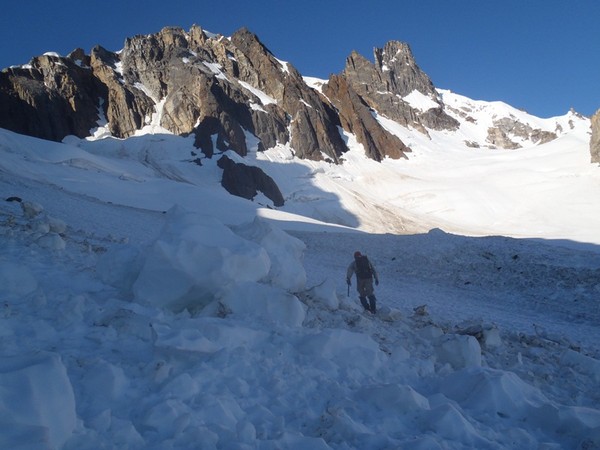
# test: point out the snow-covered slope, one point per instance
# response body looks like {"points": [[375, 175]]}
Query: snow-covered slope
{"points": [[477, 117], [548, 190], [144, 307]]}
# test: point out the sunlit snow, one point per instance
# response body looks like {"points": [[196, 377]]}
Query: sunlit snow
{"points": [[420, 101], [263, 97]]}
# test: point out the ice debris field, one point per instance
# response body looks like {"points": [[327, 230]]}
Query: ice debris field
{"points": [[144, 318]]}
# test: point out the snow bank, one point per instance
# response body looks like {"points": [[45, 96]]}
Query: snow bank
{"points": [[198, 261]]}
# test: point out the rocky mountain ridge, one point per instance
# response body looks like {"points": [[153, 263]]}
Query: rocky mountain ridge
{"points": [[232, 93]]}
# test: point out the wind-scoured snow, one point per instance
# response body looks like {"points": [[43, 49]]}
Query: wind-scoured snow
{"points": [[143, 307]]}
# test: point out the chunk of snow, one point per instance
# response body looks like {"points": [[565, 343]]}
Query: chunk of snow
{"points": [[265, 303], [285, 253], [37, 396], [52, 241], [431, 332], [194, 259], [187, 339], [447, 422], [56, 225], [168, 417], [120, 267], [459, 351], [102, 376], [491, 337], [494, 392], [326, 294], [345, 348], [40, 226], [31, 209]]}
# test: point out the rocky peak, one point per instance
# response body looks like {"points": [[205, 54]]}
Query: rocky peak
{"points": [[256, 65], [313, 125], [385, 84], [211, 86], [401, 72]]}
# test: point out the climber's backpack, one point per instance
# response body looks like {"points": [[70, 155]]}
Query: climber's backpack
{"points": [[363, 268]]}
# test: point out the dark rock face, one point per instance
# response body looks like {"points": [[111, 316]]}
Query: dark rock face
{"points": [[49, 98], [356, 117], [246, 181], [125, 106], [312, 125], [595, 139]]}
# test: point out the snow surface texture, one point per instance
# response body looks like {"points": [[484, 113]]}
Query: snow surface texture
{"points": [[145, 308]]}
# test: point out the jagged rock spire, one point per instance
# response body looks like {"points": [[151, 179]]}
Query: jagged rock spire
{"points": [[394, 75]]}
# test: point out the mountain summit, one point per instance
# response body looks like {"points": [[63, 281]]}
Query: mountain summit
{"points": [[233, 94]]}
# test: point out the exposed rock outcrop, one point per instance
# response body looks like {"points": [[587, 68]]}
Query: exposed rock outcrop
{"points": [[595, 139], [508, 127], [246, 181], [357, 118], [49, 98], [126, 107], [313, 126]]}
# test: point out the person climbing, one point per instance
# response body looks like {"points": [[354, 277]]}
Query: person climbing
{"points": [[365, 273]]}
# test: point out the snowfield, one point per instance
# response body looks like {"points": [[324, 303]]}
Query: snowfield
{"points": [[143, 307]]}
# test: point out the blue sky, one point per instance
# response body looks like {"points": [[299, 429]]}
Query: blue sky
{"points": [[539, 55]]}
